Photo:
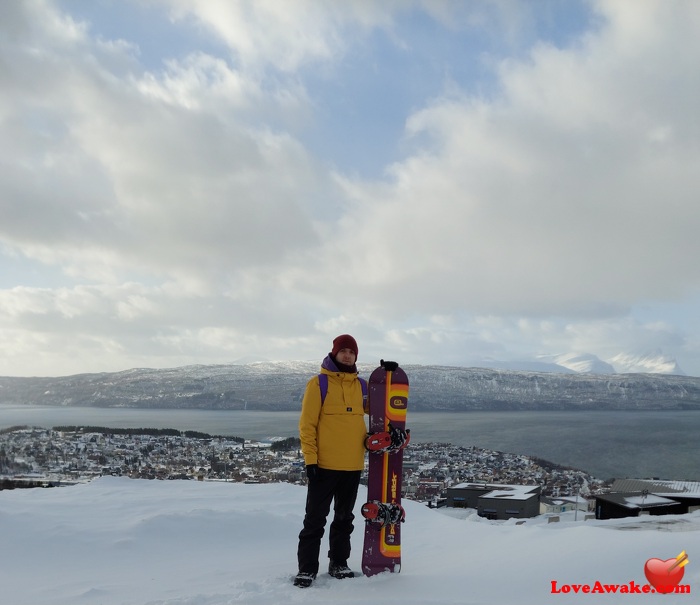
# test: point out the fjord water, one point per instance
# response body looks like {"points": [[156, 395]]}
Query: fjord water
{"points": [[606, 444]]}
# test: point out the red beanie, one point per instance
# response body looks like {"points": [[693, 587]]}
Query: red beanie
{"points": [[344, 341]]}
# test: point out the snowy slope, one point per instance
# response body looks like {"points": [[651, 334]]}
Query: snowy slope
{"points": [[122, 541], [584, 363], [279, 386], [654, 363]]}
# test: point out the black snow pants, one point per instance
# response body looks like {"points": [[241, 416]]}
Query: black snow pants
{"points": [[341, 488]]}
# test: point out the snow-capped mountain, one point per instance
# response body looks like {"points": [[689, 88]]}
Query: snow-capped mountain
{"points": [[583, 363], [541, 364], [653, 363], [587, 363]]}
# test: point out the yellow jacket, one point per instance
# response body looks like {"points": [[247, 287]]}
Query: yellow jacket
{"points": [[333, 434]]}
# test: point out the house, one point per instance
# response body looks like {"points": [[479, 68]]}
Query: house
{"points": [[496, 501], [562, 504], [635, 497]]}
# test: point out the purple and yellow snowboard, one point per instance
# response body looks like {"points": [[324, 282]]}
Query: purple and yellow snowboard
{"points": [[388, 403]]}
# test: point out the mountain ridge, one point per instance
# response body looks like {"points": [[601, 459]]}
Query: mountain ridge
{"points": [[279, 386]]}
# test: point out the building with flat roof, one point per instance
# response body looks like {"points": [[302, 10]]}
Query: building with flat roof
{"points": [[495, 501], [634, 497]]}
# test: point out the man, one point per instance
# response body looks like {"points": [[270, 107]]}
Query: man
{"points": [[332, 430]]}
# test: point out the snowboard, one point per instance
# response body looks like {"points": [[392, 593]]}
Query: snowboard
{"points": [[388, 404]]}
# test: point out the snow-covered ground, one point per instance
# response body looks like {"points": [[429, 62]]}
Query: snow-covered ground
{"points": [[137, 542]]}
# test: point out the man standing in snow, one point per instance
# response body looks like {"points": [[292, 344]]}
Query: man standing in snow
{"points": [[332, 430]]}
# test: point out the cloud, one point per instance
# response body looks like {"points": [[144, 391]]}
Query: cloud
{"points": [[172, 172], [566, 193], [285, 35], [190, 218]]}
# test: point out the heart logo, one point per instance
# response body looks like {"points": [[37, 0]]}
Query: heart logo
{"points": [[664, 576]]}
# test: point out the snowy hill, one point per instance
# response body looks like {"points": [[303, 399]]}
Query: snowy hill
{"points": [[280, 386], [584, 363], [655, 362], [122, 541]]}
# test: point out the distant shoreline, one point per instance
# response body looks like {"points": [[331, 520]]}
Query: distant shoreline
{"points": [[607, 444]]}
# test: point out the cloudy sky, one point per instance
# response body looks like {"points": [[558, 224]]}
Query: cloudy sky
{"points": [[205, 181]]}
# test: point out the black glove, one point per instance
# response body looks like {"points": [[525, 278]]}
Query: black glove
{"points": [[399, 438], [389, 366], [312, 472]]}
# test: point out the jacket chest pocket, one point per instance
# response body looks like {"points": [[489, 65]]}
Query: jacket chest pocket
{"points": [[338, 407]]}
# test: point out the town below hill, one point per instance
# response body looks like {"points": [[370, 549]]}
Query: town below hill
{"points": [[32, 457], [279, 386]]}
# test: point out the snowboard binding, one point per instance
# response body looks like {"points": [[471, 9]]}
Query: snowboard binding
{"points": [[383, 513], [388, 442]]}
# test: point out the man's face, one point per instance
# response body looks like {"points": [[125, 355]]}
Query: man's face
{"points": [[346, 357]]}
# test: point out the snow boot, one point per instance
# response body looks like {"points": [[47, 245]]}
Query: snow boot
{"points": [[304, 579], [340, 570]]}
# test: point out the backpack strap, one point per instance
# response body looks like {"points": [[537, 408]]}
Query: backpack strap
{"points": [[323, 385], [363, 382]]}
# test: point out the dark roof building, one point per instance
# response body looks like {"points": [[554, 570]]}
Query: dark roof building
{"points": [[634, 497], [496, 501]]}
